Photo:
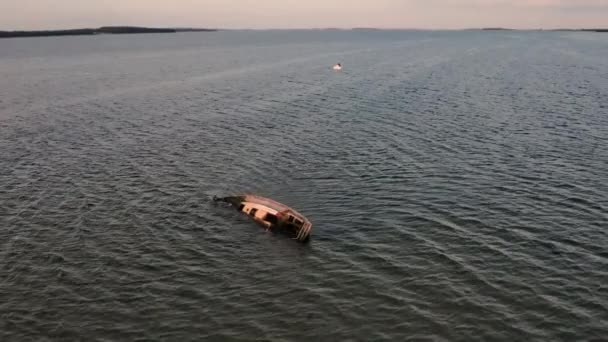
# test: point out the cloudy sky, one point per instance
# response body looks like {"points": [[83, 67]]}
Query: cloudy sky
{"points": [[453, 14]]}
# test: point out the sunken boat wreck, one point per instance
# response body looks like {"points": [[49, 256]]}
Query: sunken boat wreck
{"points": [[271, 214]]}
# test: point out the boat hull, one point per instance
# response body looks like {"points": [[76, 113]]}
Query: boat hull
{"points": [[272, 215]]}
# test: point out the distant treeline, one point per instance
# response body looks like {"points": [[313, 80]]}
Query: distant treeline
{"points": [[562, 29], [195, 30], [101, 30], [79, 32], [595, 30], [582, 30]]}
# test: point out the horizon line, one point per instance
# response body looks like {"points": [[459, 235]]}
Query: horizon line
{"points": [[506, 28]]}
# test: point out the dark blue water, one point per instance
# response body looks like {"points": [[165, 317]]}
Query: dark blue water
{"points": [[457, 182]]}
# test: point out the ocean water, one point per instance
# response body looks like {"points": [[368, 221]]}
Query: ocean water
{"points": [[457, 183]]}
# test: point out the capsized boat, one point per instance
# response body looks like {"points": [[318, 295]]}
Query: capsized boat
{"points": [[271, 214]]}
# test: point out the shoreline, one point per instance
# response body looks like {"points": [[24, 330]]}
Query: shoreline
{"points": [[97, 31], [140, 30]]}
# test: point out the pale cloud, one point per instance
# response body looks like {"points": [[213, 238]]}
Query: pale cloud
{"points": [[39, 14]]}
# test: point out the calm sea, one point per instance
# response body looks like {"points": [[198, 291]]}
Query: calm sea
{"points": [[457, 182]]}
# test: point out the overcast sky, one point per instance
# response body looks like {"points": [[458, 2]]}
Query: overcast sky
{"points": [[453, 14]]}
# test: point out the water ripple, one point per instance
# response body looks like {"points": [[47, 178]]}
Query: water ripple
{"points": [[456, 182]]}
